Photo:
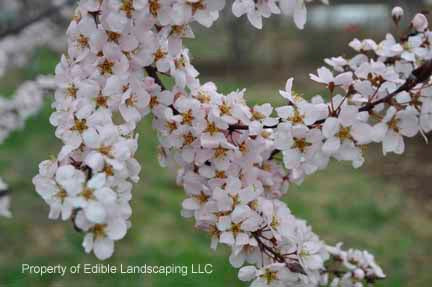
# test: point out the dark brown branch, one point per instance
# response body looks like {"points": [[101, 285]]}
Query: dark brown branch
{"points": [[418, 76], [73, 217], [292, 266], [45, 14], [4, 192], [152, 72]]}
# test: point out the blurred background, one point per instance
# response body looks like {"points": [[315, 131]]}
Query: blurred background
{"points": [[385, 206]]}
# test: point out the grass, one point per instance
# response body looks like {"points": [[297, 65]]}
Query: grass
{"points": [[354, 206]]}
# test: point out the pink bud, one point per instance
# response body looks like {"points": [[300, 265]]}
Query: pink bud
{"points": [[359, 274], [397, 14], [420, 22]]}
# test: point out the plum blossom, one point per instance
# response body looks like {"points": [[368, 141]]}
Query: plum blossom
{"points": [[100, 237], [325, 76], [393, 127], [235, 162]]}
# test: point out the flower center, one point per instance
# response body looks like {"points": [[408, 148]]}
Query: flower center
{"points": [[199, 5], [99, 231], [101, 101], [220, 174], [105, 150], [301, 144], [178, 29], [225, 109], [202, 197], [220, 152], [257, 115], [297, 118], [87, 193], [275, 222], [172, 126], [154, 7], [344, 133], [180, 63], [393, 124], [269, 276], [153, 102], [187, 118], [62, 194], [80, 125], [113, 36], [203, 98], [188, 138], [83, 41], [159, 54], [131, 101], [108, 169], [106, 67], [212, 129], [243, 148], [72, 91], [127, 7]]}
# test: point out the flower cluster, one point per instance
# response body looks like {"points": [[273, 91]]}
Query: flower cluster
{"points": [[235, 162], [350, 268]]}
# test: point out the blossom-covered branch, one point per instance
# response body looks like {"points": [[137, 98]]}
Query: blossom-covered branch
{"points": [[233, 181]]}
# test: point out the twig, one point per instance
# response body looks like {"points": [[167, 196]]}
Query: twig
{"points": [[292, 266], [152, 72], [418, 76], [4, 192]]}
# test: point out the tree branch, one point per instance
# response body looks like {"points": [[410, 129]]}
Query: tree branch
{"points": [[4, 192], [152, 72], [292, 266], [418, 76]]}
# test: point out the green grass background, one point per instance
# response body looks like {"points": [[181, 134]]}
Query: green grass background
{"points": [[357, 207]]}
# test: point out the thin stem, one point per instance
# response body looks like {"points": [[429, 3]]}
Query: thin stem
{"points": [[418, 76], [152, 72]]}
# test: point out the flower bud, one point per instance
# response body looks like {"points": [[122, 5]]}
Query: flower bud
{"points": [[397, 14], [247, 273], [420, 22], [359, 274]]}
